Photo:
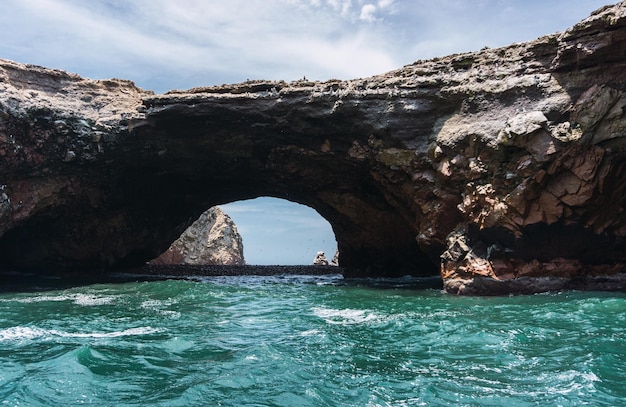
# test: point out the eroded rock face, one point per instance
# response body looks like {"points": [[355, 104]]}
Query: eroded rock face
{"points": [[213, 239], [500, 168]]}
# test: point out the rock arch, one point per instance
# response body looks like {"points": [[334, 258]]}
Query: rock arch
{"points": [[118, 195], [496, 166]]}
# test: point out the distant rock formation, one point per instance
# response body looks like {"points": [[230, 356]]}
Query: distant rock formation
{"points": [[335, 259], [320, 259], [213, 239]]}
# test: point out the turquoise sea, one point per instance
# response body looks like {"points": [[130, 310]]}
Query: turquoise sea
{"points": [[308, 341]]}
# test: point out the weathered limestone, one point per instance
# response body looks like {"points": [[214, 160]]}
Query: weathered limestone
{"points": [[213, 239], [504, 170]]}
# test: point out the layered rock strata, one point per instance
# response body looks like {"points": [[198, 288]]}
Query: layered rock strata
{"points": [[504, 170], [213, 239]]}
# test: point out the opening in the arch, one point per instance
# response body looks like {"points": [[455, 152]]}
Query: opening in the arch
{"points": [[280, 232], [261, 231]]}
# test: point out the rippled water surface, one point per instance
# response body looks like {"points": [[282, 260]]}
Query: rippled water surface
{"points": [[308, 341]]}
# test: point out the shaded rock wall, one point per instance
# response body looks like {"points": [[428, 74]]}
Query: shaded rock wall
{"points": [[213, 239], [499, 166]]}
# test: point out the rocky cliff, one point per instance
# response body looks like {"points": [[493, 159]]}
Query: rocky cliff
{"points": [[213, 239], [503, 170]]}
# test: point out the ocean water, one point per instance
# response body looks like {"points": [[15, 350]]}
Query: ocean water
{"points": [[308, 341]]}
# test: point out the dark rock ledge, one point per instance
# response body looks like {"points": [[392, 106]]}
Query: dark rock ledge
{"points": [[233, 270]]}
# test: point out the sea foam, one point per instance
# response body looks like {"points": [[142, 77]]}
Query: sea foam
{"points": [[345, 316], [18, 333]]}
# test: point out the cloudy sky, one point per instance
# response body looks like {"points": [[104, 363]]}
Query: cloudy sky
{"points": [[179, 44]]}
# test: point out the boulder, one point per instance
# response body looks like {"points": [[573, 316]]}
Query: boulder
{"points": [[212, 239]]}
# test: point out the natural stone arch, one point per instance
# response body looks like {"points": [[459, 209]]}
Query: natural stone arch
{"points": [[159, 172], [502, 165], [294, 153]]}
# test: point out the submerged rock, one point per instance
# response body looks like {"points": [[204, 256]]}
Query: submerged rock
{"points": [[213, 239]]}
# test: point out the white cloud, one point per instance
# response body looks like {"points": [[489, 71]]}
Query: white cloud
{"points": [[150, 39], [368, 13], [341, 6], [163, 44]]}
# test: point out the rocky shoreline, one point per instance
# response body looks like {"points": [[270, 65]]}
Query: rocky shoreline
{"points": [[15, 281], [476, 286], [484, 286], [187, 270]]}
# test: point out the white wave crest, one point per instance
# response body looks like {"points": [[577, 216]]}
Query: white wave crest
{"points": [[78, 299], [19, 333], [345, 316], [159, 306]]}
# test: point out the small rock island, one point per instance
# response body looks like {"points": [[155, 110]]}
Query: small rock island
{"points": [[213, 239]]}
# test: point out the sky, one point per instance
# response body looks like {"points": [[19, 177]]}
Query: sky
{"points": [[280, 232], [180, 44]]}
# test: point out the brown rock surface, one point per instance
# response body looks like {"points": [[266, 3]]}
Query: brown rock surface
{"points": [[212, 239], [504, 165]]}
